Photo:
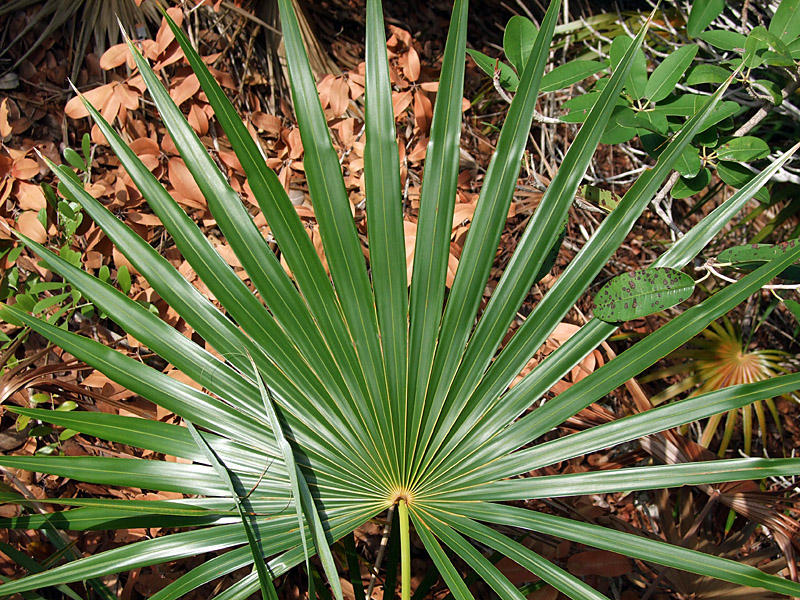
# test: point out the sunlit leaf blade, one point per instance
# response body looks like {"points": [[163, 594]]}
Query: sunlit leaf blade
{"points": [[92, 518], [385, 219], [571, 284], [142, 553], [264, 579], [299, 252], [304, 502], [434, 225], [255, 255], [166, 391], [154, 475], [543, 568], [277, 533], [531, 252], [193, 360], [339, 237], [183, 507], [153, 435], [567, 290], [484, 234], [479, 563], [638, 547], [630, 479], [628, 364], [279, 565], [455, 582], [647, 423], [539, 235]]}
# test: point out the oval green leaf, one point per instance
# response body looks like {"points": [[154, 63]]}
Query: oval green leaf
{"points": [[641, 293], [689, 162], [724, 40], [700, 74], [668, 73], [508, 79], [737, 176], [637, 78], [686, 187], [743, 149], [518, 40], [701, 15], [752, 256], [570, 73], [786, 22]]}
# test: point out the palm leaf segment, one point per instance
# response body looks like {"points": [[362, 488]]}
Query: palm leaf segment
{"points": [[385, 397]]}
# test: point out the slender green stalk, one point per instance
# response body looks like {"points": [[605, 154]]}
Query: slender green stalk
{"points": [[405, 551]]}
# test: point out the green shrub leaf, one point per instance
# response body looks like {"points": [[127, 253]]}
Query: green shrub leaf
{"points": [[701, 15], [786, 22], [724, 40], [737, 176], [518, 41], [508, 78], [752, 256], [689, 186], [705, 73], [572, 72], [743, 149], [663, 79], [641, 293]]}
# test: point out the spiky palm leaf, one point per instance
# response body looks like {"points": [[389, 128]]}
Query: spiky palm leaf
{"points": [[385, 397]]}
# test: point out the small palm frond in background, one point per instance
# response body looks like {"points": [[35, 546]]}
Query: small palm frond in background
{"points": [[719, 358], [93, 21]]}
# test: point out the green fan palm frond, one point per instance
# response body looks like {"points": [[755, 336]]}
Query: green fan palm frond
{"points": [[332, 398]]}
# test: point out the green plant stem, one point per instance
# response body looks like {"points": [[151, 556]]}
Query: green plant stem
{"points": [[405, 551]]}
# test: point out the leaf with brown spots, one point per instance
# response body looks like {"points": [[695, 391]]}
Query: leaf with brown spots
{"points": [[640, 293]]}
